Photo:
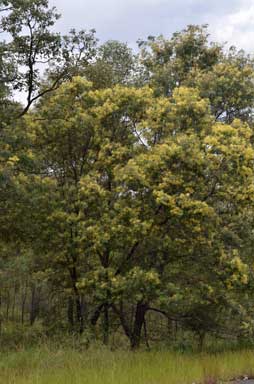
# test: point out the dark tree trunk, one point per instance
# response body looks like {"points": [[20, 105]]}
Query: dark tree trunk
{"points": [[79, 313], [34, 308], [95, 316], [201, 339], [23, 303], [70, 313], [139, 320], [123, 320], [7, 305], [1, 318], [146, 334], [77, 300], [106, 324], [14, 302], [176, 330], [105, 319], [133, 333]]}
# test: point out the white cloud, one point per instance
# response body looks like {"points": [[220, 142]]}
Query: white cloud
{"points": [[236, 28], [230, 21]]}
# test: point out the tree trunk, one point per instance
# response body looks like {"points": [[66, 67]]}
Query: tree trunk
{"points": [[34, 308], [70, 313], [77, 299], [79, 313], [23, 303], [7, 305], [141, 309], [201, 339], [133, 333], [106, 324], [95, 316], [14, 302], [1, 315]]}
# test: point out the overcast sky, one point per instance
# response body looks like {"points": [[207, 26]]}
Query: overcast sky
{"points": [[129, 20]]}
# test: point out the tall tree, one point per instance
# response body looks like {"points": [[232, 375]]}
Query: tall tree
{"points": [[33, 46]]}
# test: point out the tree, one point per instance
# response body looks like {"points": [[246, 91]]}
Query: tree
{"points": [[189, 59], [176, 192], [169, 62], [86, 129], [121, 201], [114, 64], [33, 46]]}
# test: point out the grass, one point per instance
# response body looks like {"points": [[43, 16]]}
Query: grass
{"points": [[100, 366]]}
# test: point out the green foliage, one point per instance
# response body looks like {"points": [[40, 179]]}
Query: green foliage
{"points": [[127, 192]]}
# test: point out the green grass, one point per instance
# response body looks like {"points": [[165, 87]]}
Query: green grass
{"points": [[47, 366]]}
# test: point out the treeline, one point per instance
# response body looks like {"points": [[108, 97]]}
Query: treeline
{"points": [[126, 183]]}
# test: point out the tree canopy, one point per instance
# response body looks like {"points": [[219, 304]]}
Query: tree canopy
{"points": [[126, 182]]}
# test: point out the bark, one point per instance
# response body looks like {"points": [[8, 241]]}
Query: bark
{"points": [[139, 320], [1, 318], [96, 314], [70, 313], [7, 305], [146, 334], [23, 303], [134, 333], [124, 323], [79, 312], [77, 300], [201, 339], [106, 324], [35, 304], [14, 302]]}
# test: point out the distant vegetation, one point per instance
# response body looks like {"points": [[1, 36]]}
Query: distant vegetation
{"points": [[126, 196]]}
